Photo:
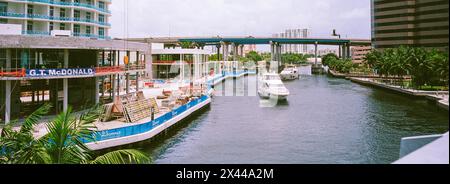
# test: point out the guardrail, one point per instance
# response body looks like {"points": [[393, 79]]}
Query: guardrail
{"points": [[37, 16], [84, 5], [21, 72]]}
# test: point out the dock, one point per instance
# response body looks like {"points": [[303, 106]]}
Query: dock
{"points": [[116, 133]]}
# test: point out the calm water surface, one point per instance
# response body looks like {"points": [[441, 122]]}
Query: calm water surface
{"points": [[326, 120]]}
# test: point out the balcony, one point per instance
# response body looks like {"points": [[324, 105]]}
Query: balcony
{"points": [[83, 5], [45, 17], [102, 37], [36, 33]]}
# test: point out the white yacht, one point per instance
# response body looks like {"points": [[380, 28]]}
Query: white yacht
{"points": [[291, 72], [271, 86]]}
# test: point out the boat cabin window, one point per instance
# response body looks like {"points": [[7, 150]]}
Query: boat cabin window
{"points": [[272, 77]]}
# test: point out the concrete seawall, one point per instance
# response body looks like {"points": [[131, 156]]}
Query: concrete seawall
{"points": [[441, 97]]}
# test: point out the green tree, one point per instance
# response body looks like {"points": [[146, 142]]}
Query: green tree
{"points": [[215, 58], [441, 67], [63, 144], [328, 58], [290, 58], [254, 56]]}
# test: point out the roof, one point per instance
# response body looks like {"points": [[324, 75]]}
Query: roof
{"points": [[181, 51], [255, 40], [52, 42]]}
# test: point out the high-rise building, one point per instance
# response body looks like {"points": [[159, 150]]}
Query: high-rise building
{"points": [[78, 18], [294, 48], [359, 53], [418, 23], [249, 48]]}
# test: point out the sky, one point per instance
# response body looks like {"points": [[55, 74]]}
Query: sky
{"points": [[156, 18]]}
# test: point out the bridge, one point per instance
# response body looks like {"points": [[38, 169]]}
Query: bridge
{"points": [[237, 43]]}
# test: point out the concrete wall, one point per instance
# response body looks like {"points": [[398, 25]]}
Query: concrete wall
{"points": [[10, 29]]}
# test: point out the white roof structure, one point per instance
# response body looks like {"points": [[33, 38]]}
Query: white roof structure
{"points": [[181, 51]]}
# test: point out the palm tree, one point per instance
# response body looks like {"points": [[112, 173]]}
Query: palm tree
{"points": [[441, 66], [63, 144], [422, 72]]}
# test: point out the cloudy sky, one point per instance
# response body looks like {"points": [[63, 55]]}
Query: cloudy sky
{"points": [[153, 18]]}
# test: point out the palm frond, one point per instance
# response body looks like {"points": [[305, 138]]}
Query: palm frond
{"points": [[129, 156], [34, 118]]}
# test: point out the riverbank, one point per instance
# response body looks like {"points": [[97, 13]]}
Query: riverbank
{"points": [[355, 75], [439, 97]]}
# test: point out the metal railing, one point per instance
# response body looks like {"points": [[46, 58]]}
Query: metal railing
{"points": [[46, 17], [84, 5], [12, 72]]}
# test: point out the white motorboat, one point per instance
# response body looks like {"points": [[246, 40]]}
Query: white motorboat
{"points": [[291, 72], [272, 87]]}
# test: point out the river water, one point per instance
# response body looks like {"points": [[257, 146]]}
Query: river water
{"points": [[325, 121]]}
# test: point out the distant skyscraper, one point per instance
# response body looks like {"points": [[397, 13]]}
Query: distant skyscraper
{"points": [[249, 48], [294, 48]]}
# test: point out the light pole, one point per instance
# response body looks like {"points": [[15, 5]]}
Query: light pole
{"points": [[338, 35]]}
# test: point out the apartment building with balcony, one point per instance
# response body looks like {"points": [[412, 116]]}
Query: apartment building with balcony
{"points": [[78, 18]]}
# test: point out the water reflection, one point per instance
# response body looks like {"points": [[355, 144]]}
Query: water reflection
{"points": [[325, 120]]}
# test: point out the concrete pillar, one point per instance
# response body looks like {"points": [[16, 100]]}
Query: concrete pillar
{"points": [[241, 48], [7, 102], [340, 51], [127, 76], [315, 53], [66, 83], [349, 54], [344, 51], [279, 53], [97, 91], [8, 88], [234, 47], [137, 73], [272, 51], [218, 52], [118, 75], [226, 52]]}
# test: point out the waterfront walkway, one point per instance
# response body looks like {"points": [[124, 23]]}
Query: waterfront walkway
{"points": [[440, 97]]}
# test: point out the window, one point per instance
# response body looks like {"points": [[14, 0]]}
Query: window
{"points": [[3, 7], [52, 11], [76, 14], [101, 18], [62, 26], [101, 31], [101, 4], [51, 26], [88, 15], [30, 10], [88, 29], [29, 26], [76, 29], [62, 12]]}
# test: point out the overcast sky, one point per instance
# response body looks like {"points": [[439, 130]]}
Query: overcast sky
{"points": [[153, 18]]}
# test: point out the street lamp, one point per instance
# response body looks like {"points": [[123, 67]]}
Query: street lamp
{"points": [[338, 35]]}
